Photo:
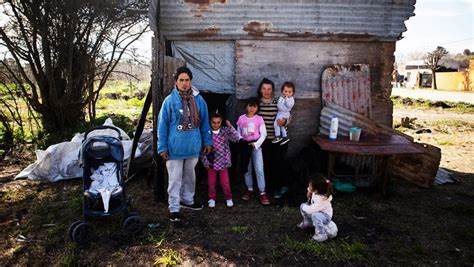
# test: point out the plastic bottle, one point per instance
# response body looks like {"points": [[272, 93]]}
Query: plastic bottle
{"points": [[333, 128]]}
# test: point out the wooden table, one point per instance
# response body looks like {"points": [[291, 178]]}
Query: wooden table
{"points": [[381, 146]]}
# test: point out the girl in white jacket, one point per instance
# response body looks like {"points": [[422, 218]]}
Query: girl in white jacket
{"points": [[317, 211]]}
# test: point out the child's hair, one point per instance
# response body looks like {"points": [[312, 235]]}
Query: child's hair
{"points": [[321, 184], [252, 102], [217, 114], [289, 85]]}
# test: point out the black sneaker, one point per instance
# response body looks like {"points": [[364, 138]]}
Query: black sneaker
{"points": [[194, 206], [175, 217], [284, 140], [277, 140]]}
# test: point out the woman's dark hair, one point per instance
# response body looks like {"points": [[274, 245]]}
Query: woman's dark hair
{"points": [[183, 70], [252, 102], [289, 85], [321, 184], [265, 81]]}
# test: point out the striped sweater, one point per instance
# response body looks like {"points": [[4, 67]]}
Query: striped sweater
{"points": [[268, 112]]}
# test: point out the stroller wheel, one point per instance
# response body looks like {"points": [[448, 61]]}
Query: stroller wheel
{"points": [[133, 224], [71, 228], [82, 233]]}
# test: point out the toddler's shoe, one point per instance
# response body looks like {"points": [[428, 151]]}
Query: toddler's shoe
{"points": [[331, 229], [211, 203], [277, 140], [320, 237], [284, 140], [247, 195], [264, 199], [229, 203], [175, 217], [277, 195], [303, 225]]}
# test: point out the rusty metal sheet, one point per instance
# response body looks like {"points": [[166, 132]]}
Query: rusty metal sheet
{"points": [[242, 19], [348, 86]]}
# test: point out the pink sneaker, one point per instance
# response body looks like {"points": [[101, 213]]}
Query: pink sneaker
{"points": [[264, 199]]}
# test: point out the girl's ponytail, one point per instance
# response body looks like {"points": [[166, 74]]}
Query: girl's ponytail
{"points": [[329, 188], [322, 185]]}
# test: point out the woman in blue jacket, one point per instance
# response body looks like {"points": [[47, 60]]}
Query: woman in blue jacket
{"points": [[183, 131]]}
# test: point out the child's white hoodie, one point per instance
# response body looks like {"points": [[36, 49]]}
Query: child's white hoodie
{"points": [[319, 203]]}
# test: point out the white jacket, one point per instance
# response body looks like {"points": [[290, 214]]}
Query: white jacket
{"points": [[319, 203]]}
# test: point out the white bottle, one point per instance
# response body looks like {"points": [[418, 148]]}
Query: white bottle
{"points": [[333, 129]]}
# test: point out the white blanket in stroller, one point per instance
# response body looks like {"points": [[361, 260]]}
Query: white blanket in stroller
{"points": [[61, 162], [104, 181]]}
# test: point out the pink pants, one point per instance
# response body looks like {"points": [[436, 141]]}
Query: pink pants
{"points": [[224, 179]]}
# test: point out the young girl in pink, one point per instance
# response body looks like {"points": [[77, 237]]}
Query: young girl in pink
{"points": [[251, 128], [218, 161]]}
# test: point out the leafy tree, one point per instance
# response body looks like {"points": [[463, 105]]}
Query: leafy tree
{"points": [[65, 50]]}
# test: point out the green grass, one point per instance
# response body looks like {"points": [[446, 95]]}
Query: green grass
{"points": [[168, 257], [445, 143], [334, 251], [460, 107], [125, 106], [446, 124], [70, 256], [239, 229]]}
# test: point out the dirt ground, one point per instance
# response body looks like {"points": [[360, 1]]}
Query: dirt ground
{"points": [[412, 225], [435, 95], [451, 131]]}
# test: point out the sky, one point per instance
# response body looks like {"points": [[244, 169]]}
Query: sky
{"points": [[446, 23]]}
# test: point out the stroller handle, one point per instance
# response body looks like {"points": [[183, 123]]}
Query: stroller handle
{"points": [[102, 127]]}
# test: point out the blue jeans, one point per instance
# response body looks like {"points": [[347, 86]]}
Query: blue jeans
{"points": [[318, 219], [256, 162]]}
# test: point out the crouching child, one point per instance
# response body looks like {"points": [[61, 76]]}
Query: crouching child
{"points": [[318, 211]]}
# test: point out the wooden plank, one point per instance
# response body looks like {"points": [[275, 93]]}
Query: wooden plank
{"points": [[171, 64]]}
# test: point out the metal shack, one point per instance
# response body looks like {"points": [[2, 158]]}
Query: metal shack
{"points": [[230, 45]]}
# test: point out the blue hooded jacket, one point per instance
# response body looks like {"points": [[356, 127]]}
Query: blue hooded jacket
{"points": [[182, 144]]}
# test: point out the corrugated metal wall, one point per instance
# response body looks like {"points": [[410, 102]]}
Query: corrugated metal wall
{"points": [[240, 19], [348, 86]]}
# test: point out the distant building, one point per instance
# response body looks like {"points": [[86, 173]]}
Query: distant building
{"points": [[452, 77], [416, 74]]}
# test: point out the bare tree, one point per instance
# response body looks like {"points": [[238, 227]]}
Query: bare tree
{"points": [[64, 51], [467, 83], [432, 61]]}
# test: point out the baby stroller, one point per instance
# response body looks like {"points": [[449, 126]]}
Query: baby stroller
{"points": [[104, 195]]}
